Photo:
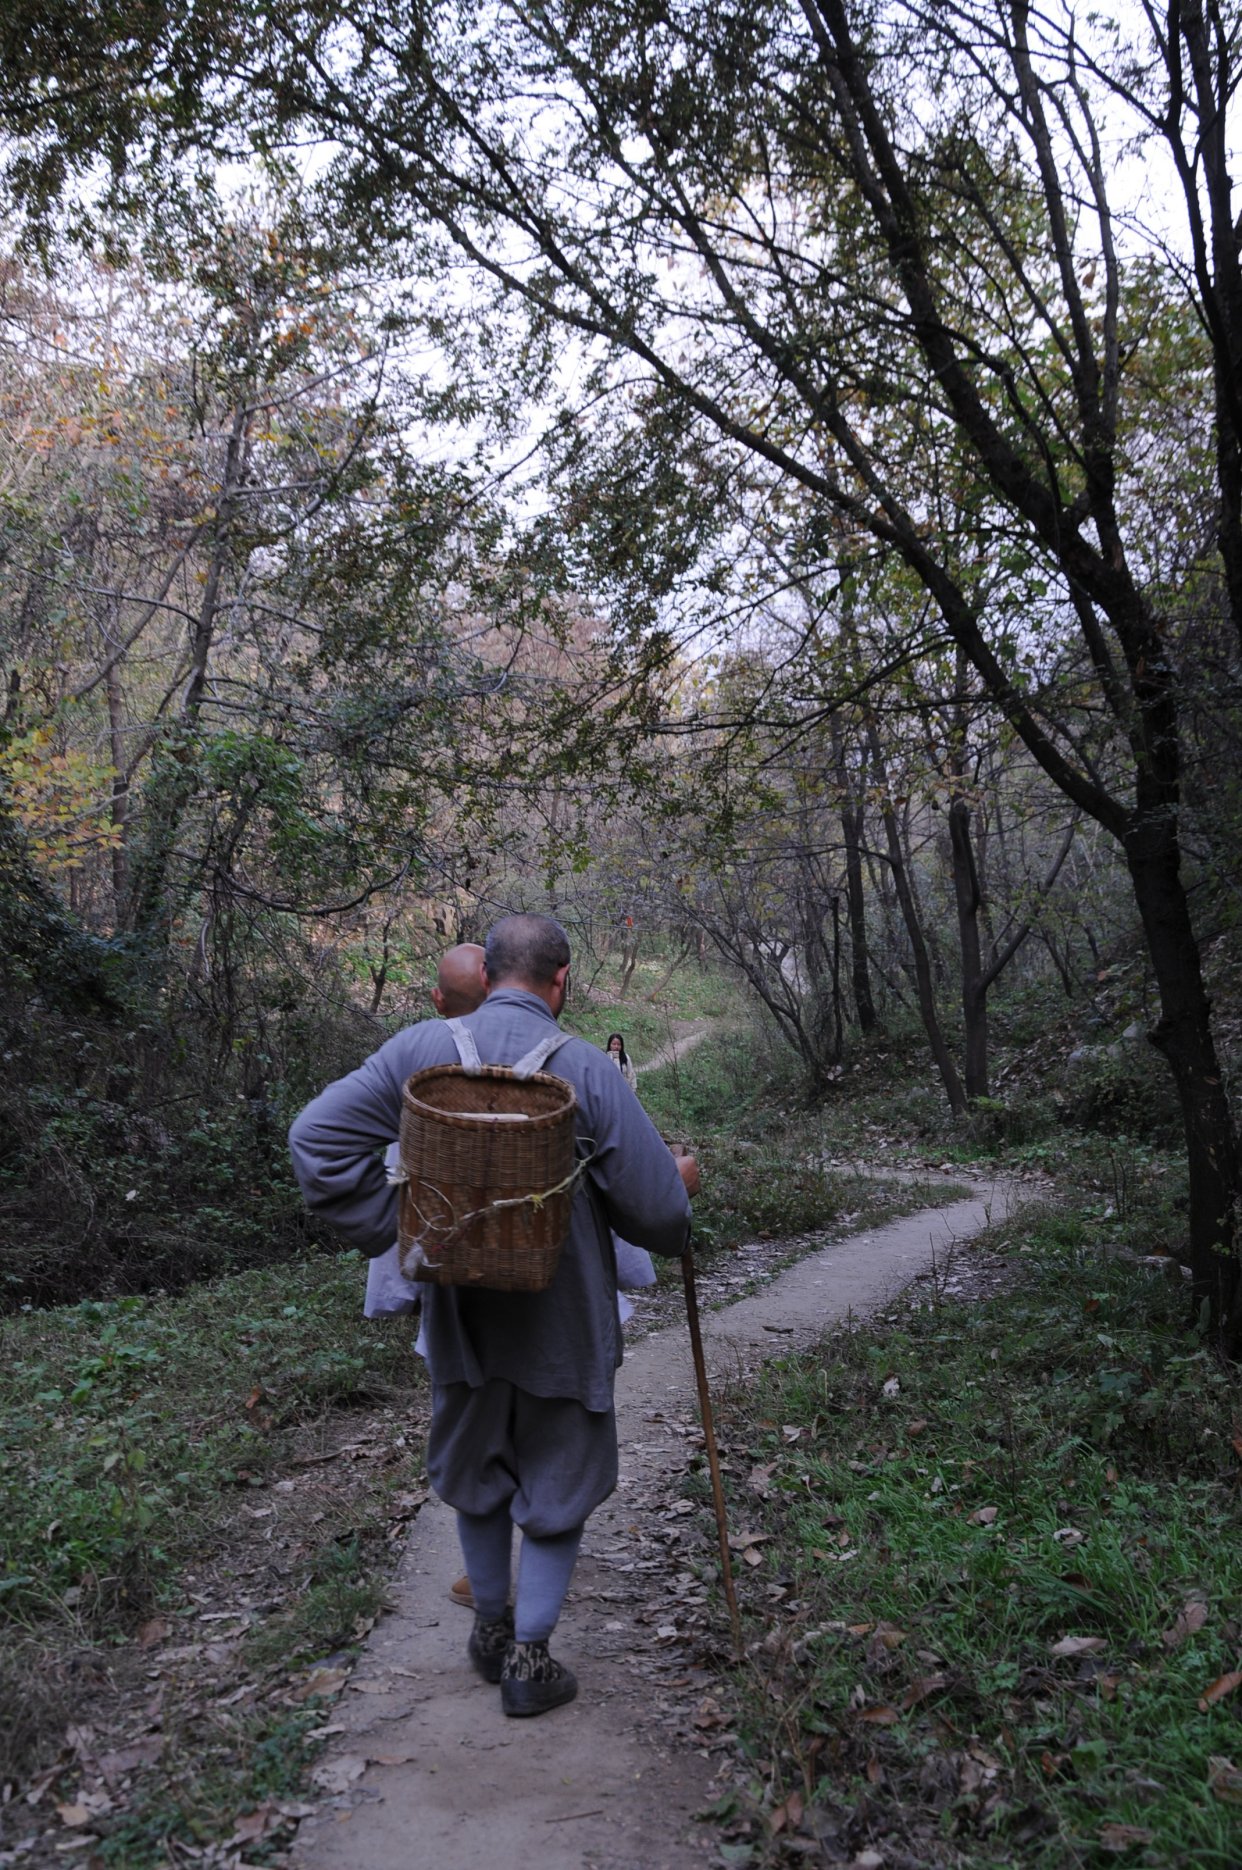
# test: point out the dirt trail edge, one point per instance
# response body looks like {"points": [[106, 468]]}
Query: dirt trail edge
{"points": [[424, 1771]]}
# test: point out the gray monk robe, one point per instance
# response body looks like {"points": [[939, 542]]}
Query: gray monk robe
{"points": [[560, 1344]]}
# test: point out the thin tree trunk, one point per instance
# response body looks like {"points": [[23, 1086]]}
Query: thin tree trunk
{"points": [[120, 793], [974, 994], [918, 946], [174, 772], [851, 832]]}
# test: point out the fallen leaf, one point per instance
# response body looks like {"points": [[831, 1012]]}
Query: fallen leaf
{"points": [[708, 1715], [985, 1516], [153, 1631], [791, 1432], [143, 1752], [916, 1428], [37, 1787], [1225, 1780], [891, 1387], [1191, 1617], [319, 1682], [1069, 1535], [786, 1817], [875, 1772], [882, 1715], [1222, 1686], [1123, 1837], [339, 1773], [1077, 1646], [888, 1636], [751, 1557], [920, 1689], [73, 1815], [255, 1825]]}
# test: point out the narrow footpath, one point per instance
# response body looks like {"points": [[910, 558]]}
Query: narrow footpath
{"points": [[424, 1772]]}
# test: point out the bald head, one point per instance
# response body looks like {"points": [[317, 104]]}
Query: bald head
{"points": [[460, 986]]}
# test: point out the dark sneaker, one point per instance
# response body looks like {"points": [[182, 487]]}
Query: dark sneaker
{"points": [[532, 1681], [489, 1643]]}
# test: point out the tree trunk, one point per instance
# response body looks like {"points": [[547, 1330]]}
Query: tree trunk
{"points": [[837, 1034], [1183, 1035], [120, 793], [174, 774], [974, 993], [851, 832], [918, 946]]}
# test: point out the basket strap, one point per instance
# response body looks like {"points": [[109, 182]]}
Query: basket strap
{"points": [[467, 1050], [527, 1065], [538, 1056]]}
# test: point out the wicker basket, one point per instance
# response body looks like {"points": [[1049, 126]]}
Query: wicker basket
{"points": [[488, 1160]]}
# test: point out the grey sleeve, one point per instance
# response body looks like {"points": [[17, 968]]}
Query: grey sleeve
{"points": [[336, 1145], [643, 1195]]}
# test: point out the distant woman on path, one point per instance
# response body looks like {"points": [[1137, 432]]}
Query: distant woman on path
{"points": [[621, 1059]]}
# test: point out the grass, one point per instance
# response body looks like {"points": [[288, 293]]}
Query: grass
{"points": [[173, 1460], [1004, 1543], [205, 1491], [130, 1421]]}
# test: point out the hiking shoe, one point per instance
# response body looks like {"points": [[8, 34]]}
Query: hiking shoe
{"points": [[532, 1681], [489, 1644], [462, 1594]]}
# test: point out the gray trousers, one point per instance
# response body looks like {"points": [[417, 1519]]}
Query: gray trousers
{"points": [[549, 1460]]}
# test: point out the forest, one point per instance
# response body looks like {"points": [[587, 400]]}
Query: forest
{"points": [[760, 483]]}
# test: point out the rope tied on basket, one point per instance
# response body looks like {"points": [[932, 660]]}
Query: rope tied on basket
{"points": [[433, 1231]]}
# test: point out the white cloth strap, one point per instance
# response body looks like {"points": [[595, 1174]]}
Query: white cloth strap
{"points": [[527, 1065], [467, 1050]]}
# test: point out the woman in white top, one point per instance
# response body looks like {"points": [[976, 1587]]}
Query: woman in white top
{"points": [[620, 1058]]}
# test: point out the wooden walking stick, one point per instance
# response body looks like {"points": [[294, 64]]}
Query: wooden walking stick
{"points": [[709, 1438]]}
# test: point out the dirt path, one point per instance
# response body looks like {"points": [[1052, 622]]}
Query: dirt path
{"points": [[425, 1773], [687, 1033]]}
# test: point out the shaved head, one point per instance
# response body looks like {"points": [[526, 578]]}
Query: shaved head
{"points": [[460, 986], [526, 951]]}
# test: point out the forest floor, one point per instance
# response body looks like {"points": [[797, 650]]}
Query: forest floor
{"points": [[967, 1641], [424, 1770], [194, 1740]]}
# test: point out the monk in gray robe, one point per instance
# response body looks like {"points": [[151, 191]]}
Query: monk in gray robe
{"points": [[522, 1425]]}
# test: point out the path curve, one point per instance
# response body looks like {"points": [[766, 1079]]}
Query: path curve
{"points": [[693, 1033], [449, 1783]]}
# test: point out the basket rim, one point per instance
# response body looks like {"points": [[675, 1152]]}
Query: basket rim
{"points": [[469, 1119]]}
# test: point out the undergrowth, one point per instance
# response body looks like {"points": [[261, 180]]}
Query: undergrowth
{"points": [[143, 1438], [1004, 1546]]}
